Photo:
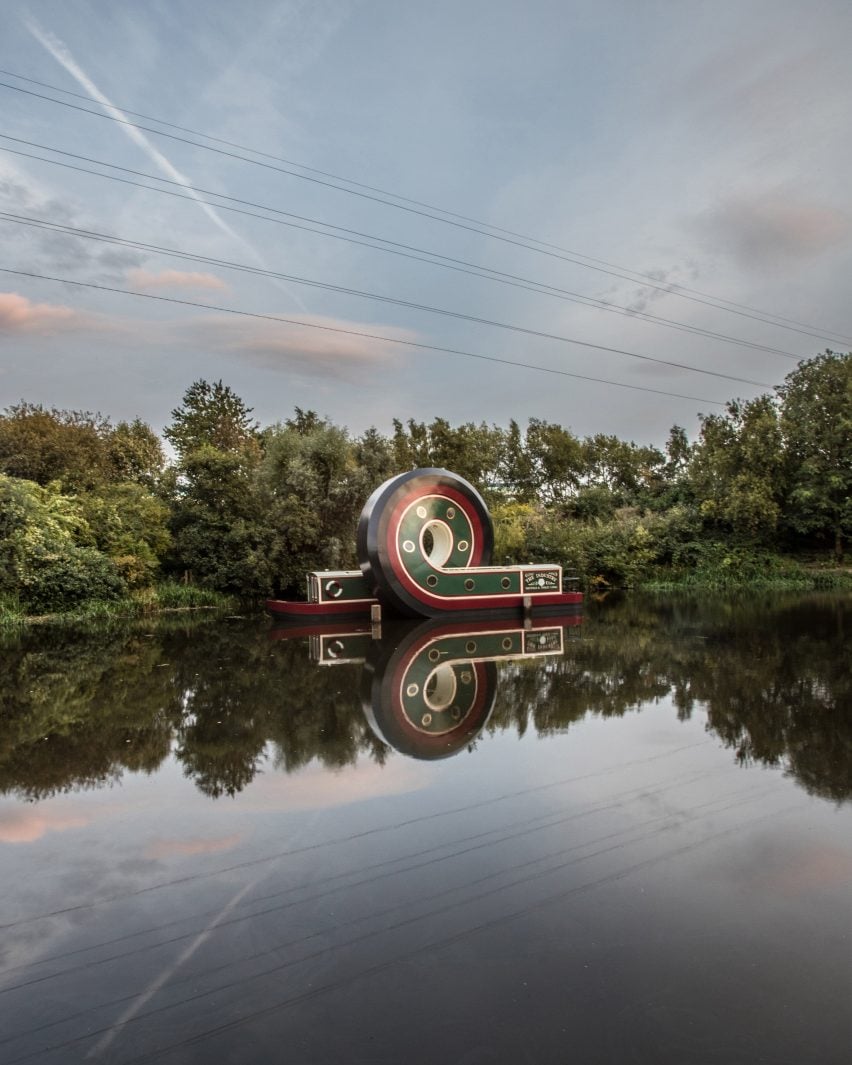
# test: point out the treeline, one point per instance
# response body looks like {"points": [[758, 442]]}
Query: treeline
{"points": [[91, 510]]}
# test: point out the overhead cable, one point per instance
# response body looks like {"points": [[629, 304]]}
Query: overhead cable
{"points": [[426, 210], [390, 247], [327, 286], [353, 332]]}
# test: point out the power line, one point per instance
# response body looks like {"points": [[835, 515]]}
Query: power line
{"points": [[93, 235], [354, 332], [426, 210], [393, 247], [327, 286]]}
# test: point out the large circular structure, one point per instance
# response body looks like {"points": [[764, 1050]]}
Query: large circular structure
{"points": [[418, 534]]}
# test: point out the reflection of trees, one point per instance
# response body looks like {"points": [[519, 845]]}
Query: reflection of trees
{"points": [[772, 675], [78, 711], [242, 693]]}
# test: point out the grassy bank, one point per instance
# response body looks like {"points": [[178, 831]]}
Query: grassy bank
{"points": [[741, 572], [165, 597]]}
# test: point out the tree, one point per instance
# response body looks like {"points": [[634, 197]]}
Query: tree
{"points": [[44, 445], [516, 472], [375, 459], [134, 453], [313, 491], [557, 461], [219, 525], [816, 426], [130, 526], [737, 468], [211, 415]]}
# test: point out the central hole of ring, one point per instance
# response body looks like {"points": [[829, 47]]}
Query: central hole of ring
{"points": [[436, 542], [440, 688]]}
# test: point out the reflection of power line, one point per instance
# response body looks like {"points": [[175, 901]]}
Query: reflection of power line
{"points": [[383, 913], [436, 944], [185, 256], [178, 253], [369, 240], [621, 768], [425, 210], [338, 330], [524, 826]]}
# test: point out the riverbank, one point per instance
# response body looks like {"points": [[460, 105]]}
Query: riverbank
{"points": [[736, 572]]}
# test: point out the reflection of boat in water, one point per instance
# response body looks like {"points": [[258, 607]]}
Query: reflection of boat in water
{"points": [[431, 693], [428, 689]]}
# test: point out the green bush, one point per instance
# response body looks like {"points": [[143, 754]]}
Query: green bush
{"points": [[64, 582]]}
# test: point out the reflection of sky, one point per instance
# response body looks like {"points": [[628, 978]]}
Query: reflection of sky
{"points": [[621, 889]]}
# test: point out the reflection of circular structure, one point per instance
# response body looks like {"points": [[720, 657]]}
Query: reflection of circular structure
{"points": [[423, 697], [417, 534]]}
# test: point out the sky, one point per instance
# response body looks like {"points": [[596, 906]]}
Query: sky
{"points": [[494, 159]]}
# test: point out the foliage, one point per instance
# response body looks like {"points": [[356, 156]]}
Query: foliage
{"points": [[134, 453], [43, 445], [79, 449], [313, 490], [737, 469], [816, 425], [218, 535], [130, 526], [45, 555]]}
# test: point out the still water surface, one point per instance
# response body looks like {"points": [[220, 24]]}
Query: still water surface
{"points": [[625, 839]]}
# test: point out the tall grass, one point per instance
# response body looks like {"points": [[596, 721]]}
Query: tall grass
{"points": [[767, 573]]}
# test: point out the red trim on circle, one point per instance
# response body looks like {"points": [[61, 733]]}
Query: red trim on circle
{"points": [[389, 546], [471, 723]]}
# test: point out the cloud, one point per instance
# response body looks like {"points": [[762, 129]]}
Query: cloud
{"points": [[178, 279], [50, 250], [27, 826], [169, 848], [308, 344], [762, 229], [314, 788], [20, 315]]}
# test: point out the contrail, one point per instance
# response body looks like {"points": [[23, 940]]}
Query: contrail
{"points": [[167, 973], [59, 50]]}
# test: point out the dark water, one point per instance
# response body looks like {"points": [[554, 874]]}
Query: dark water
{"points": [[626, 840]]}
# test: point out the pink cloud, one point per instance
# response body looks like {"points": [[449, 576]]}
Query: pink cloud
{"points": [[764, 227], [20, 315], [314, 788], [169, 848], [29, 825], [309, 344], [179, 279]]}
